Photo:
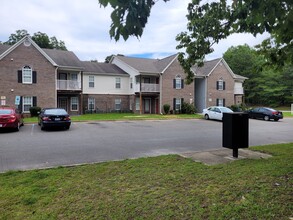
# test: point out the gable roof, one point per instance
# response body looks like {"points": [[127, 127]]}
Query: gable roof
{"points": [[102, 68], [146, 65], [63, 58], [58, 58], [209, 66]]}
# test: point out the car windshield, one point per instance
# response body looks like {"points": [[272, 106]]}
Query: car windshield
{"points": [[5, 111], [226, 110], [55, 112]]}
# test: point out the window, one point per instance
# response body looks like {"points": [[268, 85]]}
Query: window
{"points": [[73, 76], [27, 103], [220, 102], [117, 104], [178, 83], [118, 83], [74, 104], [91, 81], [177, 104], [91, 104], [220, 85], [137, 103], [27, 75]]}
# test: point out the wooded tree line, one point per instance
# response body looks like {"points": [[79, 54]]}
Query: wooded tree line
{"points": [[267, 84], [41, 39], [270, 85]]}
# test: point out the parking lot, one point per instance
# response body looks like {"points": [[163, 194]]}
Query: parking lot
{"points": [[90, 142]]}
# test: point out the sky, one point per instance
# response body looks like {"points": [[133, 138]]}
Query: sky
{"points": [[84, 27]]}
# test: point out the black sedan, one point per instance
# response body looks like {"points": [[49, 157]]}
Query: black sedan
{"points": [[54, 117], [265, 113]]}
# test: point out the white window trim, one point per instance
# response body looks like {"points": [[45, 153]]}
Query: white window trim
{"points": [[94, 103], [178, 82], [92, 80], [71, 103], [118, 102], [117, 82], [26, 103], [27, 73], [221, 84], [178, 102]]}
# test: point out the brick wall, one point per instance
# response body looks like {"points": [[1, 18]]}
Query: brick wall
{"points": [[106, 103], [221, 72], [43, 89], [168, 92]]}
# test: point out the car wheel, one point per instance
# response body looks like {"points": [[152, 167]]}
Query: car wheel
{"points": [[266, 118], [276, 119], [67, 127], [206, 116], [42, 127]]}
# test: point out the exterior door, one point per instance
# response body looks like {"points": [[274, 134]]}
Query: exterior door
{"points": [[147, 105], [63, 103]]}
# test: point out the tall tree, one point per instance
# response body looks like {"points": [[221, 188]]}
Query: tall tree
{"points": [[41, 39], [210, 22]]}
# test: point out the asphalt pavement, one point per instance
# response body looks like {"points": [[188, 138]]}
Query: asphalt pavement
{"points": [[93, 142]]}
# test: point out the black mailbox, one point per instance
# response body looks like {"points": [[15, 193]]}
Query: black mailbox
{"points": [[235, 131]]}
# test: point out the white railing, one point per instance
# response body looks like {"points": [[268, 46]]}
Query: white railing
{"points": [[147, 87], [68, 85], [238, 91]]}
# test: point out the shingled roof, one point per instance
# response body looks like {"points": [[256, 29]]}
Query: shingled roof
{"points": [[148, 65], [207, 68], [3, 48], [102, 68], [64, 58]]}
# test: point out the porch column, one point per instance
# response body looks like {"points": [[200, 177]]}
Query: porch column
{"points": [[140, 96]]}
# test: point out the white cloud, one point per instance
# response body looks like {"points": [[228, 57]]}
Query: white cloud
{"points": [[84, 27]]}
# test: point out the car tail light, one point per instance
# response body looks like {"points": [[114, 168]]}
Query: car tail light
{"points": [[67, 118], [275, 113], [46, 119]]}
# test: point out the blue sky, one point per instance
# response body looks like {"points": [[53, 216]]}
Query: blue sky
{"points": [[84, 27]]}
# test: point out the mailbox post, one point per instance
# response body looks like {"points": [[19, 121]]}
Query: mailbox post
{"points": [[235, 131]]}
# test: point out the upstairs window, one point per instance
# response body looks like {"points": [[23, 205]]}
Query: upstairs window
{"points": [[91, 81], [178, 83], [220, 85], [118, 83], [27, 75]]}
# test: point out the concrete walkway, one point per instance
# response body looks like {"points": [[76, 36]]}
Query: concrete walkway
{"points": [[224, 155]]}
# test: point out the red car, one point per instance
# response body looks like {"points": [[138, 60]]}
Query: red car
{"points": [[10, 118]]}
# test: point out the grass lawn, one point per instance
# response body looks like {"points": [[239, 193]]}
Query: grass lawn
{"points": [[164, 187], [121, 116]]}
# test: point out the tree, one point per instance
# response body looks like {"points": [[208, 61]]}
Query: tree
{"points": [[211, 22], [41, 39]]}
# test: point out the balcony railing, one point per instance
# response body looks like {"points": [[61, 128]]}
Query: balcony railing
{"points": [[68, 85], [147, 87], [238, 91]]}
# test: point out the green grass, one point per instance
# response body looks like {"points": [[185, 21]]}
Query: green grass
{"points": [[122, 116], [164, 187]]}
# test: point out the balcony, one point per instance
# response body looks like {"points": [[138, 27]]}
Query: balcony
{"points": [[68, 85], [238, 91], [147, 87]]}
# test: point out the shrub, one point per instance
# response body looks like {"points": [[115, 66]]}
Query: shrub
{"points": [[166, 108], [187, 108], [35, 111]]}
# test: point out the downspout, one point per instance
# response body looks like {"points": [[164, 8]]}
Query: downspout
{"points": [[161, 89], [140, 96], [56, 82]]}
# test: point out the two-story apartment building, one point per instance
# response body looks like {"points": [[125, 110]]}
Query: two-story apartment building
{"points": [[39, 77], [32, 76], [216, 84], [155, 82]]}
